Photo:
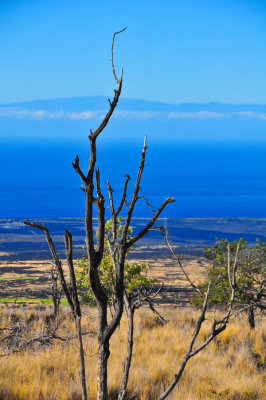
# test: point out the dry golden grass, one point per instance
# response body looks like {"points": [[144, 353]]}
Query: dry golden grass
{"points": [[231, 367]]}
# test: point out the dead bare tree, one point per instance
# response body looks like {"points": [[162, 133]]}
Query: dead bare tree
{"points": [[118, 247], [70, 292], [119, 244]]}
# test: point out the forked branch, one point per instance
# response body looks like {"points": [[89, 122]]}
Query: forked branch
{"points": [[70, 293], [145, 230], [78, 170], [216, 329], [135, 197], [115, 213], [56, 260]]}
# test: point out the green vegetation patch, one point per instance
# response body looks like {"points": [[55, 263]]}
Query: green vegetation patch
{"points": [[14, 278], [47, 301], [43, 301]]}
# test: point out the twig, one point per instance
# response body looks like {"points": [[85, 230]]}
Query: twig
{"points": [[112, 53], [165, 234]]}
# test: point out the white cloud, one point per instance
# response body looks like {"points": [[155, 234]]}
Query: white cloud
{"points": [[29, 114], [252, 114], [170, 115], [13, 113], [83, 114], [19, 113], [189, 115]]}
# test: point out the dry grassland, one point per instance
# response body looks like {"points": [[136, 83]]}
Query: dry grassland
{"points": [[230, 368], [176, 289]]}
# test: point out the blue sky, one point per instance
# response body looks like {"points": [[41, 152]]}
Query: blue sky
{"points": [[173, 51]]}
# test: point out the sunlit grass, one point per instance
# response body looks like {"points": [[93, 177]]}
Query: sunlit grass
{"points": [[16, 278], [26, 300], [230, 368]]}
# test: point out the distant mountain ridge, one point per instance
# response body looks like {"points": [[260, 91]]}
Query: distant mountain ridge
{"points": [[100, 103], [71, 117]]}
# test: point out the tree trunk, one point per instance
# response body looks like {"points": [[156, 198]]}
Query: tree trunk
{"points": [[130, 317], [56, 306], [81, 359], [103, 355], [251, 318]]}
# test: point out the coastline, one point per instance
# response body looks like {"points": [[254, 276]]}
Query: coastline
{"points": [[189, 235], [25, 260]]}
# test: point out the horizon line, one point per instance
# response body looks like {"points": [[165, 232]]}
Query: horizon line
{"points": [[134, 99]]}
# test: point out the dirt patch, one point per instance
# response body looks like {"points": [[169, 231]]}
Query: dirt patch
{"points": [[25, 279], [32, 279]]}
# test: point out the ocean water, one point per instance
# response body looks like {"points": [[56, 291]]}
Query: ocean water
{"points": [[215, 179]]}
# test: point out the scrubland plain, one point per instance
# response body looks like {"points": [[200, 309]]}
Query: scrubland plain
{"points": [[230, 368]]}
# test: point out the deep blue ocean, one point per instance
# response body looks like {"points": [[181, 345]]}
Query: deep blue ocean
{"points": [[215, 179]]}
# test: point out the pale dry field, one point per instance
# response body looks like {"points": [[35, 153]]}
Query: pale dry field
{"points": [[37, 282]]}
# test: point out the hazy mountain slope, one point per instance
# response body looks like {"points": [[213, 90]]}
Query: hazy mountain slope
{"points": [[96, 103]]}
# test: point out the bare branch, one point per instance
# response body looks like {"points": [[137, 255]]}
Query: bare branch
{"points": [[68, 244], [165, 234], [130, 307], [78, 170], [112, 211], [123, 198], [130, 317], [235, 266], [98, 187], [101, 216], [93, 135], [111, 200], [153, 309], [233, 285], [119, 287], [148, 204], [112, 253], [112, 54], [229, 264], [94, 257], [187, 356], [133, 202], [156, 293], [114, 214], [200, 320], [217, 328], [113, 103], [135, 192], [150, 224], [56, 259], [72, 296]]}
